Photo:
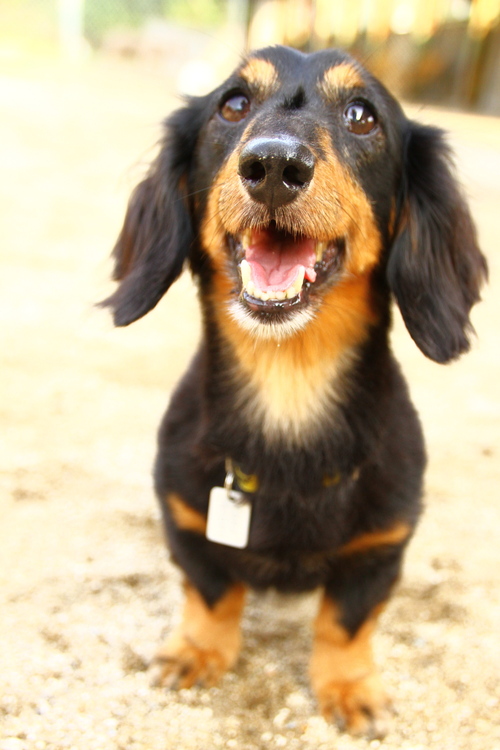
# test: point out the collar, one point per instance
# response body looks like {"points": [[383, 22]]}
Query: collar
{"points": [[249, 483]]}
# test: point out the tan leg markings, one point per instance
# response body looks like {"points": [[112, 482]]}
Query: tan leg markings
{"points": [[395, 535], [206, 644], [344, 676], [184, 516]]}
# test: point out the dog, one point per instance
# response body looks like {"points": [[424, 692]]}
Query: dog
{"points": [[303, 200]]}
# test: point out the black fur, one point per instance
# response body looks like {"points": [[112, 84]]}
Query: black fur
{"points": [[434, 269], [157, 233]]}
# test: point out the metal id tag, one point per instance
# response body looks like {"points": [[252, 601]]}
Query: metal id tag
{"points": [[228, 520]]}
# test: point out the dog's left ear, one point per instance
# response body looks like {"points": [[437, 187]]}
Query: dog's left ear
{"points": [[435, 267], [157, 234]]}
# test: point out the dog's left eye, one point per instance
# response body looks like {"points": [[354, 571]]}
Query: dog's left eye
{"points": [[359, 118], [235, 108]]}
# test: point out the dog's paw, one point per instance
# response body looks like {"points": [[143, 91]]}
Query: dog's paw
{"points": [[180, 664], [361, 707], [206, 643]]}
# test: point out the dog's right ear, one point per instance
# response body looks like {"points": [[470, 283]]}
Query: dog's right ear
{"points": [[156, 235]]}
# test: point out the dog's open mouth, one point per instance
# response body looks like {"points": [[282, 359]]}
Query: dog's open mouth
{"points": [[278, 269]]}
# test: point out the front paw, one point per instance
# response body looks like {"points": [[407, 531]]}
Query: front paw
{"points": [[182, 664], [361, 707], [344, 676], [205, 645]]}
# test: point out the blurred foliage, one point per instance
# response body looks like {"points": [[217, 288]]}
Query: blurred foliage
{"points": [[33, 24], [102, 15], [197, 12]]}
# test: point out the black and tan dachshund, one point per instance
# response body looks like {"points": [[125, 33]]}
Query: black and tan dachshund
{"points": [[303, 200]]}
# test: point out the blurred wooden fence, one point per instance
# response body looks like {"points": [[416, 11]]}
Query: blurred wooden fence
{"points": [[445, 51]]}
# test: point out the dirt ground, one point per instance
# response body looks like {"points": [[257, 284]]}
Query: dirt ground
{"points": [[87, 592]]}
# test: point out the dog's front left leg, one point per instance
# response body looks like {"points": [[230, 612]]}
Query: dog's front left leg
{"points": [[342, 669], [344, 676], [205, 644]]}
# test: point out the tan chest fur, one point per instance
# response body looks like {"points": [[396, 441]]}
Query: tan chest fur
{"points": [[287, 386]]}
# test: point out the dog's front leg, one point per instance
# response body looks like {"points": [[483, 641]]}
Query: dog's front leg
{"points": [[205, 644], [342, 669], [207, 641]]}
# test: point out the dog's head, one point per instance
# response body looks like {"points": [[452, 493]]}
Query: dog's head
{"points": [[297, 176]]}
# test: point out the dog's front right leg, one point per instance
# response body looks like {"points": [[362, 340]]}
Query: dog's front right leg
{"points": [[205, 644], [207, 641]]}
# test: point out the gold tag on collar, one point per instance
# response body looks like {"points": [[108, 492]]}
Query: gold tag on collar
{"points": [[246, 482]]}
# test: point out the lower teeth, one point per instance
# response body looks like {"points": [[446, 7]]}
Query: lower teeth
{"points": [[270, 296], [266, 295]]}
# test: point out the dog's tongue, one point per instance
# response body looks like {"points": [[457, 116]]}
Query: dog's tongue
{"points": [[276, 259]]}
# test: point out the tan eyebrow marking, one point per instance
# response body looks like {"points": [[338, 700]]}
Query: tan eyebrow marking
{"points": [[261, 75], [340, 77]]}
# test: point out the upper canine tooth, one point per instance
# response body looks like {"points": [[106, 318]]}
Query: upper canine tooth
{"points": [[246, 273], [246, 239], [320, 249]]}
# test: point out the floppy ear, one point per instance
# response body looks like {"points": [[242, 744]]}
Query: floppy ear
{"points": [[156, 235], [435, 268]]}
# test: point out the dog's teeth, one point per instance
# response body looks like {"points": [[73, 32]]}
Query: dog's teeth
{"points": [[297, 285], [246, 239], [246, 273], [268, 294], [320, 249], [261, 294]]}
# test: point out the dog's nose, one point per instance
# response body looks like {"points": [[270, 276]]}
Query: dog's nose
{"points": [[276, 170]]}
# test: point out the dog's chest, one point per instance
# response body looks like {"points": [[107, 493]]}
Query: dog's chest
{"points": [[288, 395]]}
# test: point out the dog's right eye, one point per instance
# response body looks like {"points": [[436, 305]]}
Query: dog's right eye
{"points": [[235, 107]]}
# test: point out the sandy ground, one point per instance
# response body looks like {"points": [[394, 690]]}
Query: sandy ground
{"points": [[87, 592]]}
